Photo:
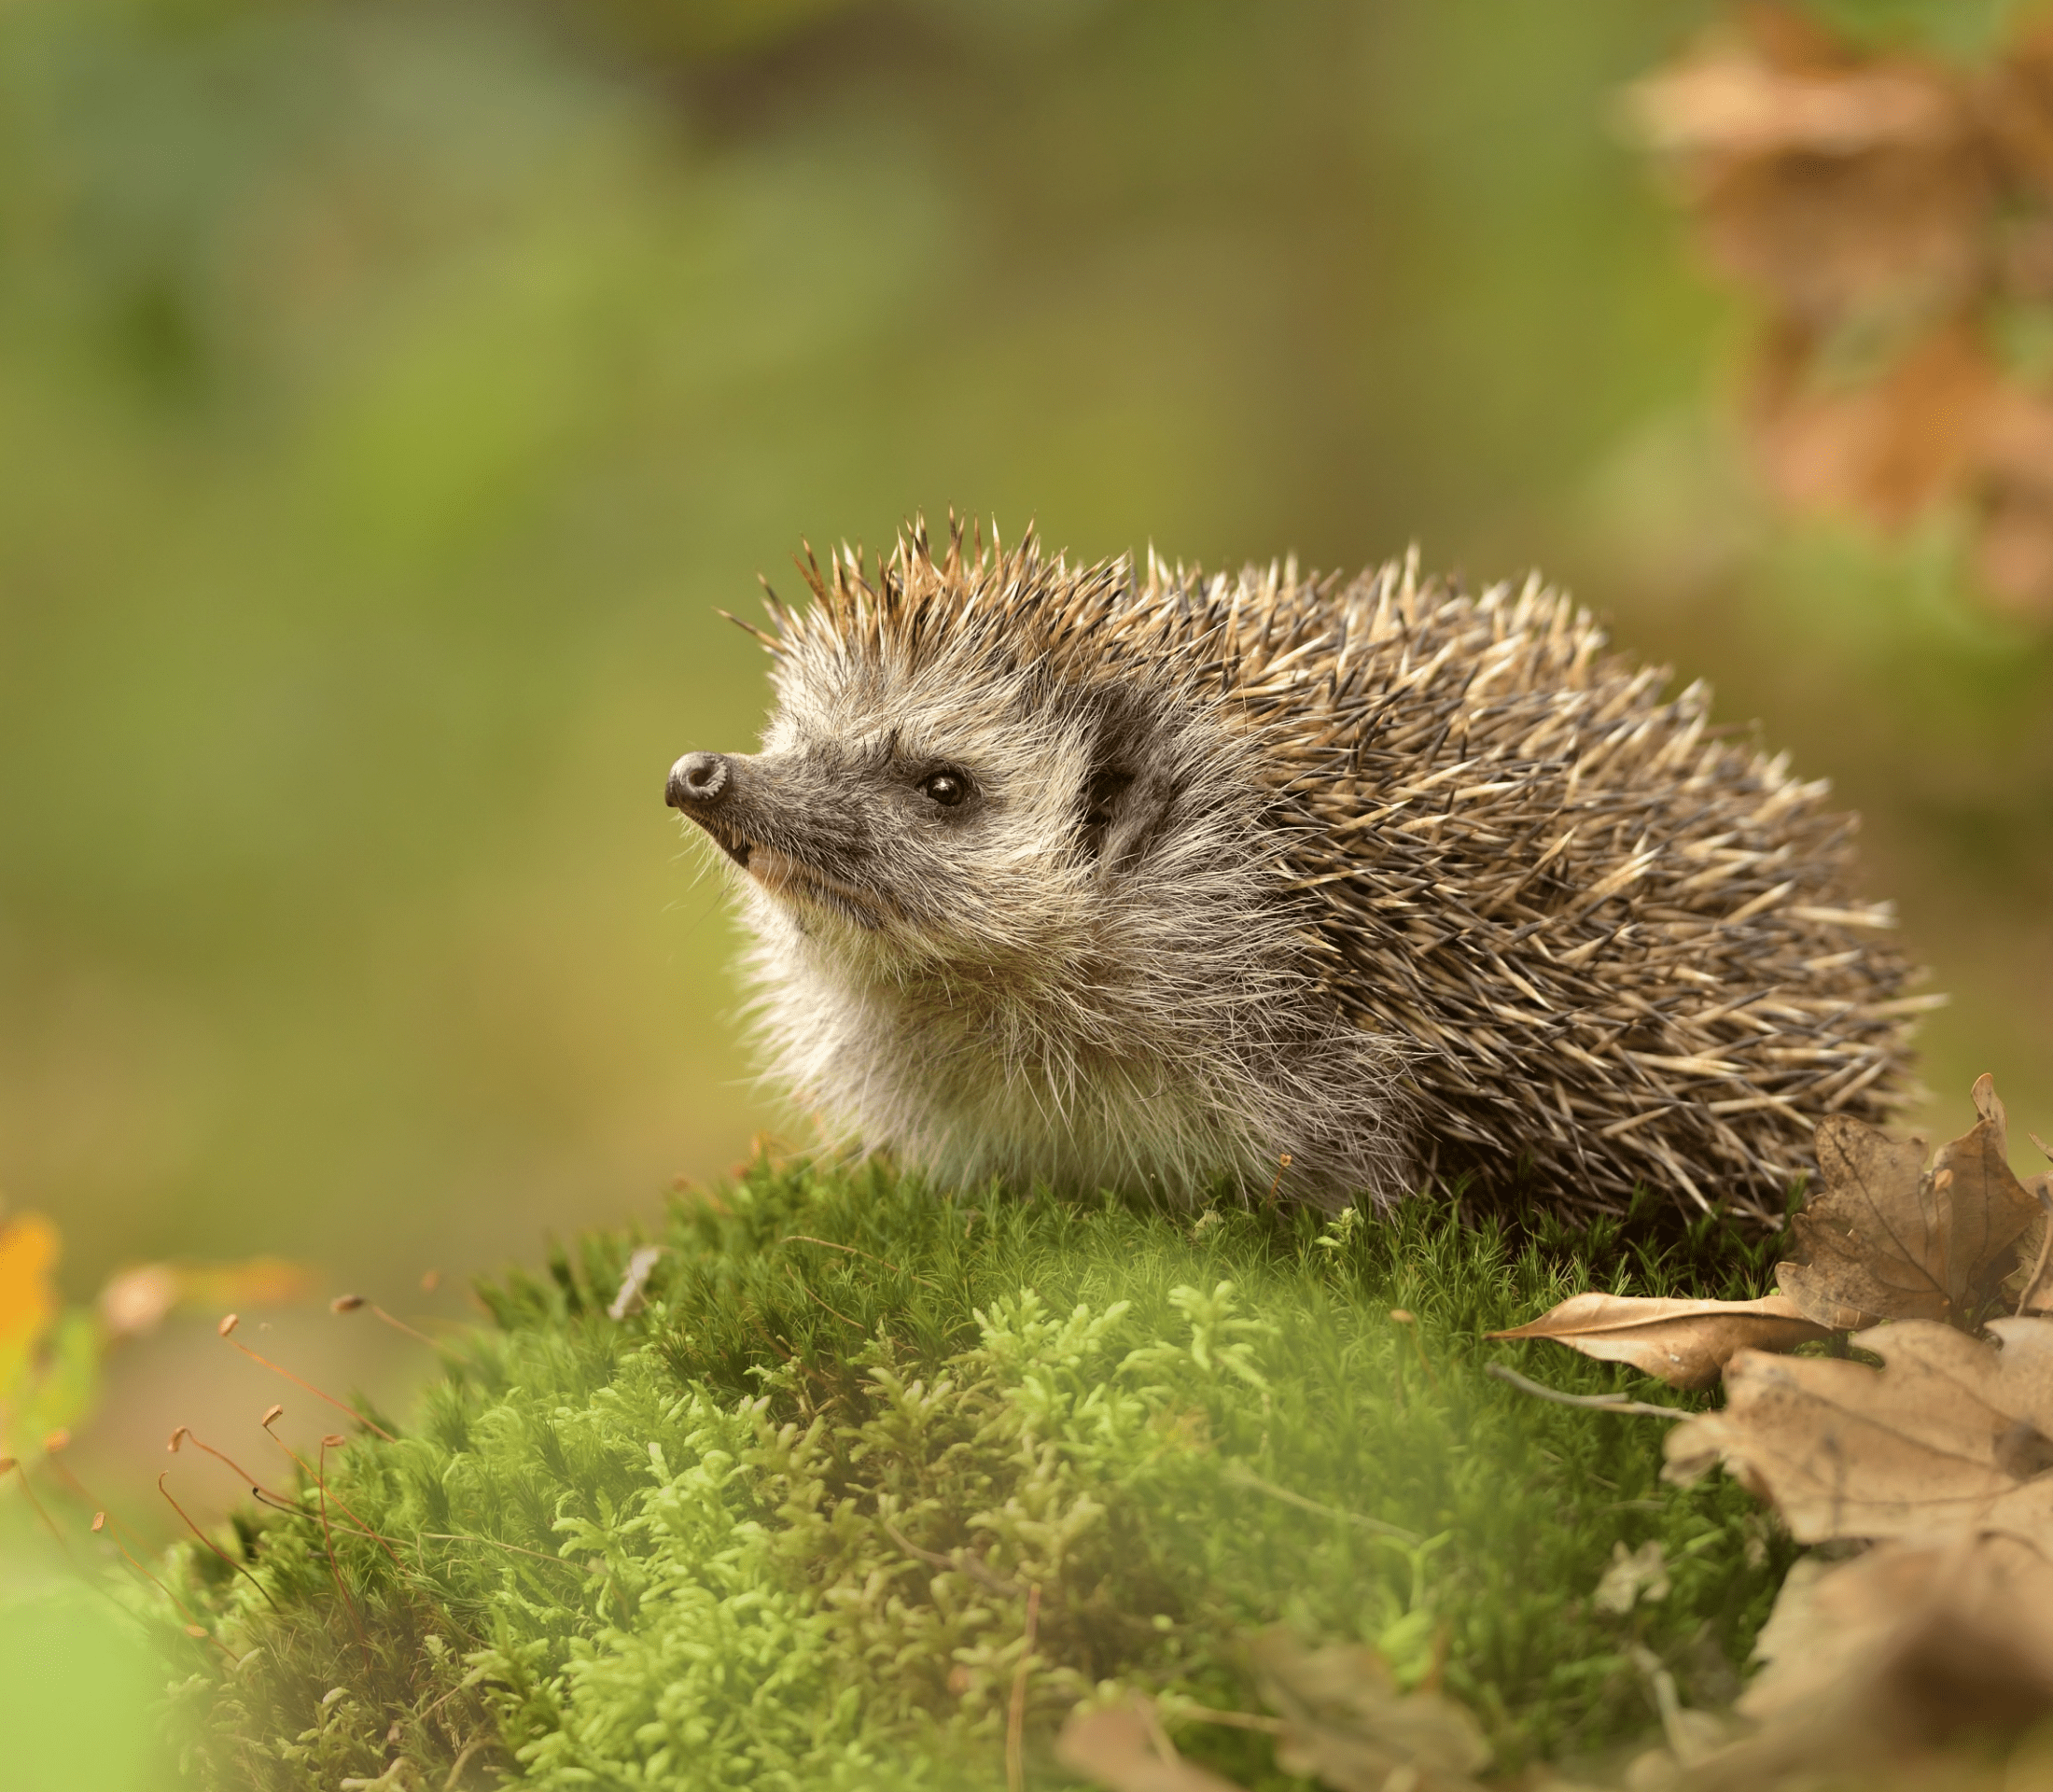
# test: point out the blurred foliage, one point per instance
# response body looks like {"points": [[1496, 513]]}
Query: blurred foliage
{"points": [[49, 1358], [78, 1689], [390, 393]]}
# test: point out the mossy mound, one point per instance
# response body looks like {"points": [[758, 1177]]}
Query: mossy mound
{"points": [[780, 1527]]}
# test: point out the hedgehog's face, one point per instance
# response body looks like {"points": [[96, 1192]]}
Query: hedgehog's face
{"points": [[891, 818]]}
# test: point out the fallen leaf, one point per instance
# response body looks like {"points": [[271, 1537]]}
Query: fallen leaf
{"points": [[1950, 1436], [1903, 1650], [1884, 447], [1118, 1747], [1348, 1726], [1827, 184], [1884, 1240], [1686, 1343], [1891, 212], [1635, 1578]]}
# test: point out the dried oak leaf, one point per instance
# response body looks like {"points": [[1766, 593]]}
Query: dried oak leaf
{"points": [[1884, 447], [1884, 1240], [1950, 1436], [1348, 1726], [1907, 1648], [1122, 1747], [1827, 183], [1686, 1343]]}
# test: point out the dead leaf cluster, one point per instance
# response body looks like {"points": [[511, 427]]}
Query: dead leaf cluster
{"points": [[1937, 1464], [1885, 1237], [1341, 1721], [1891, 213]]}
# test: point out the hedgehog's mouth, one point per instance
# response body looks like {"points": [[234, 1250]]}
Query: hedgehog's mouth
{"points": [[787, 878], [737, 847]]}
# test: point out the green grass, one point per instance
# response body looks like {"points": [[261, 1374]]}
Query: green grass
{"points": [[777, 1529]]}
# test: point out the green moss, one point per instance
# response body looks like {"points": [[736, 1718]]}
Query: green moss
{"points": [[777, 1530]]}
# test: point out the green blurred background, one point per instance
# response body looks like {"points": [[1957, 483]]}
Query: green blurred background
{"points": [[391, 391]]}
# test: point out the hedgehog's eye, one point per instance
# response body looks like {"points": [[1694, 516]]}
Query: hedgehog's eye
{"points": [[945, 787]]}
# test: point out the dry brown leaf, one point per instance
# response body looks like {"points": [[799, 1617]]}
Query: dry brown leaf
{"points": [[1349, 1727], [2018, 102], [1888, 211], [1886, 1241], [1828, 183], [1883, 448], [1901, 1651], [1950, 1436], [1686, 1343], [1635, 1578], [1119, 1747]]}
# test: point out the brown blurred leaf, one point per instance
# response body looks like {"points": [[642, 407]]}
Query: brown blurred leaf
{"points": [[1906, 1648], [1828, 183], [1883, 448], [1686, 1343], [1884, 1240], [1950, 1436], [1348, 1726], [1118, 1747], [2017, 102], [1735, 101]]}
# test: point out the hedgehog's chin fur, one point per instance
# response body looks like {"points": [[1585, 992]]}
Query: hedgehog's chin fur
{"points": [[1038, 1066], [803, 885]]}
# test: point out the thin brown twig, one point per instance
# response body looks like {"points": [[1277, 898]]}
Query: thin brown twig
{"points": [[327, 1542], [193, 1626], [53, 1448], [320, 1481], [1594, 1402], [1236, 1719], [1151, 1714], [399, 1325], [964, 1561], [1015, 1718], [471, 1536], [456, 1767], [49, 1524], [815, 1299], [185, 1433], [350, 1303], [806, 1237], [224, 1555], [228, 1325], [1240, 1474]]}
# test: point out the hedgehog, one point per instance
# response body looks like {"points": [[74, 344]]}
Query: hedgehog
{"points": [[1290, 885]]}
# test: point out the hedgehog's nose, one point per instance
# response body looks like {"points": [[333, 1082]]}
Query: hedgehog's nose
{"points": [[697, 780]]}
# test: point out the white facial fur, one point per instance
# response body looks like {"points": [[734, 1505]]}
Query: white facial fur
{"points": [[993, 990]]}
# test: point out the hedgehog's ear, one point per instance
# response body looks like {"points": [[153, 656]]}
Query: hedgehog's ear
{"points": [[1123, 810], [1124, 801], [1137, 814]]}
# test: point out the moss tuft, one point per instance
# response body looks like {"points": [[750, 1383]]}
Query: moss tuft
{"points": [[778, 1528]]}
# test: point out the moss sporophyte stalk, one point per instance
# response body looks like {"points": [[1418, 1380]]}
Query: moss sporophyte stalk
{"points": [[784, 1525]]}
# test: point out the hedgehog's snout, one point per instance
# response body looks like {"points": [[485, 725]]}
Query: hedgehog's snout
{"points": [[699, 781]]}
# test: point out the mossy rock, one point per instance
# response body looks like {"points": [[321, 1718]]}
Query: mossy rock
{"points": [[779, 1527]]}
